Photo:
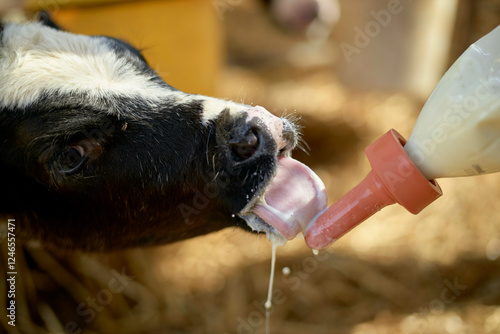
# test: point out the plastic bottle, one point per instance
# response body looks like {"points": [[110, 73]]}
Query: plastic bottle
{"points": [[457, 132]]}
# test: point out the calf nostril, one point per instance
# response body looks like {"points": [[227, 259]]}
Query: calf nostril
{"points": [[246, 147]]}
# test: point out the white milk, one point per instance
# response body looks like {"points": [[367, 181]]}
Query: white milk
{"points": [[277, 240], [287, 271], [269, 303], [458, 130]]}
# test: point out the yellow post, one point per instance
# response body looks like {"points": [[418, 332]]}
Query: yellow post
{"points": [[181, 39]]}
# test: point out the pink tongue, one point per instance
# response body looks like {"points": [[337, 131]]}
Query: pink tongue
{"points": [[296, 196]]}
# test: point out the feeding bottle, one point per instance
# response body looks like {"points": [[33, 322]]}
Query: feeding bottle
{"points": [[456, 134]]}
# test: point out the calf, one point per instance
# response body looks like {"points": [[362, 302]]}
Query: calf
{"points": [[98, 153]]}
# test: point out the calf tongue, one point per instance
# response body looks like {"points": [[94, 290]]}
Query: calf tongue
{"points": [[294, 198]]}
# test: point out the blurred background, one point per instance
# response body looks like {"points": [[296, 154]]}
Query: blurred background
{"points": [[351, 69]]}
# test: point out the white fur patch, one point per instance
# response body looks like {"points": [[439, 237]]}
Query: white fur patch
{"points": [[213, 107], [36, 59]]}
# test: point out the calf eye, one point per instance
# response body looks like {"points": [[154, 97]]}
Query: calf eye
{"points": [[72, 159]]}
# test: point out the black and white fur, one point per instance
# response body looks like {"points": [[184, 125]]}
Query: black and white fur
{"points": [[98, 153]]}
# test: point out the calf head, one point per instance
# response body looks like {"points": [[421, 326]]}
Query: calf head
{"points": [[98, 153]]}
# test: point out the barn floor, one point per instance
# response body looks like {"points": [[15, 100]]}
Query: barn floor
{"points": [[438, 272]]}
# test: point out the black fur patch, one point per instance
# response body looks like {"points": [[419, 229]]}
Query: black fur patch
{"points": [[121, 46], [44, 17], [1, 33]]}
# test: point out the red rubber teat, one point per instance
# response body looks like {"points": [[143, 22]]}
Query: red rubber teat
{"points": [[394, 179]]}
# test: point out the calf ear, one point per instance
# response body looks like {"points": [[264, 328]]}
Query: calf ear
{"points": [[45, 19]]}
